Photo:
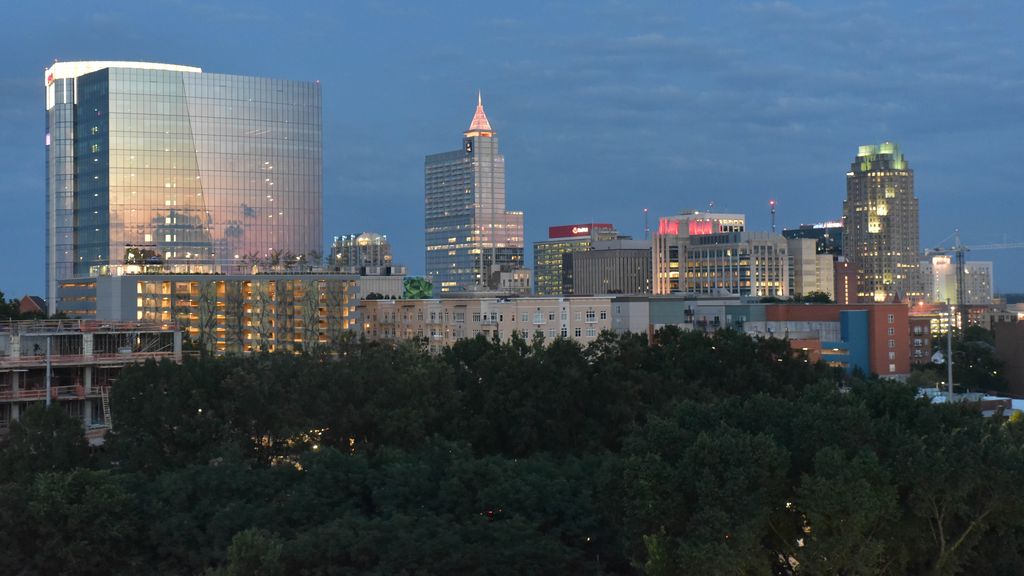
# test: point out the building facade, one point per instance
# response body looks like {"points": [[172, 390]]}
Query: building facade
{"points": [[845, 276], [442, 322], [469, 231], [368, 256], [225, 313], [352, 252], [156, 164], [611, 267], [874, 338], [551, 277], [811, 271], [939, 282], [828, 236], [880, 215], [73, 363]]}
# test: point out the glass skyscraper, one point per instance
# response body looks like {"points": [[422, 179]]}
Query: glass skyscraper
{"points": [[469, 232], [880, 224], [166, 166]]}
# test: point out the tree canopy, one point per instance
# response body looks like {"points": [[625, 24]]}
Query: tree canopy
{"points": [[685, 454]]}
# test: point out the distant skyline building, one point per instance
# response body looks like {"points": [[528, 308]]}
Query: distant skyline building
{"points": [[168, 166], [551, 277], [670, 250], [881, 227], [368, 256], [939, 280], [469, 231], [368, 249], [828, 236], [620, 266]]}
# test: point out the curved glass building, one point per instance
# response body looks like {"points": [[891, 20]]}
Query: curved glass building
{"points": [[164, 166]]}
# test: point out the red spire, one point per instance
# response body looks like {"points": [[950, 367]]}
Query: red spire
{"points": [[479, 123]]}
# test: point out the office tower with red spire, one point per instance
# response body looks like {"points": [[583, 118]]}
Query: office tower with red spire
{"points": [[470, 235]]}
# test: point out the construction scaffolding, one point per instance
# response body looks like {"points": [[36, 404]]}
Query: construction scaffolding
{"points": [[74, 363]]}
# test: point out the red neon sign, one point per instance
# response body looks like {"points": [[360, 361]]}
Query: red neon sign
{"points": [[668, 226]]}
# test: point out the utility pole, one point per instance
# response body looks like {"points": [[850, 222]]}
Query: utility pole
{"points": [[949, 351], [49, 373]]}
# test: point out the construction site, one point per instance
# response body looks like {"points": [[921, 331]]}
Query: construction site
{"points": [[74, 363]]}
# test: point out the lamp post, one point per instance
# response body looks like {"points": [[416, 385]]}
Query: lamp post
{"points": [[949, 350]]}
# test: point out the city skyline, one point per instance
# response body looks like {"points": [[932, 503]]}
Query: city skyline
{"points": [[609, 107]]}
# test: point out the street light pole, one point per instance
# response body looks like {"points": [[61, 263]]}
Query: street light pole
{"points": [[949, 350], [49, 373]]}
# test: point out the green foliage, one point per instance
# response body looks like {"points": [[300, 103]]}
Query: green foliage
{"points": [[42, 440], [689, 454], [78, 522], [975, 365], [814, 298], [253, 552], [9, 309]]}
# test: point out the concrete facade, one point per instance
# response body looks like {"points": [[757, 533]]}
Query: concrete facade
{"points": [[85, 358], [612, 267], [227, 313], [444, 321]]}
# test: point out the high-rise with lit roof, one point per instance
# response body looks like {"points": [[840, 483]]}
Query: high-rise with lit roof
{"points": [[170, 167], [469, 231], [880, 228]]}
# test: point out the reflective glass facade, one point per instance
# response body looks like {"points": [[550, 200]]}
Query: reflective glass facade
{"points": [[189, 171], [468, 228]]}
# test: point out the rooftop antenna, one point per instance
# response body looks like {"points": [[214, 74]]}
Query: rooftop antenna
{"points": [[711, 206], [772, 204], [647, 229]]}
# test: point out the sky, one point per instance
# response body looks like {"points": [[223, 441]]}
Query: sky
{"points": [[603, 108]]}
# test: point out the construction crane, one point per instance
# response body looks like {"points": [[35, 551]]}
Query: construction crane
{"points": [[958, 250]]}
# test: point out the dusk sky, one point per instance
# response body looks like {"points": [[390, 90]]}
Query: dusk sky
{"points": [[603, 108]]}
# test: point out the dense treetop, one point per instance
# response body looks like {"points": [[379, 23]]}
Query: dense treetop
{"points": [[692, 454]]}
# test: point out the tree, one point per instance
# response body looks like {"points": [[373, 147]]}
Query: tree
{"points": [[848, 509], [81, 522], [9, 309], [814, 298], [253, 552], [42, 440]]}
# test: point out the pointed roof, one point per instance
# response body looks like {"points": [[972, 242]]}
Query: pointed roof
{"points": [[479, 123]]}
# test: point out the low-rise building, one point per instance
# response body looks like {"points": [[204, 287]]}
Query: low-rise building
{"points": [[444, 321], [74, 363], [871, 337], [1009, 338], [921, 336]]}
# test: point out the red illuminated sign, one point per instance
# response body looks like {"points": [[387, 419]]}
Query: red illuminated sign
{"points": [[49, 78], [574, 230], [668, 226], [701, 227]]}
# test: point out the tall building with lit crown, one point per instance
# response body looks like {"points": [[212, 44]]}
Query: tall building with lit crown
{"points": [[166, 166], [469, 231], [881, 227]]}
